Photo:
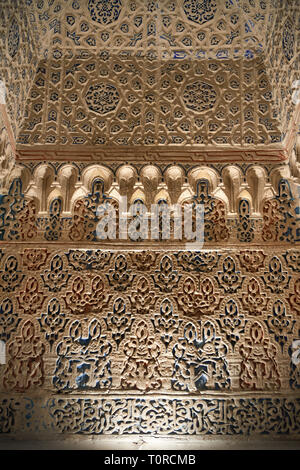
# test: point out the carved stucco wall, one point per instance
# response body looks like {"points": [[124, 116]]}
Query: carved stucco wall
{"points": [[146, 338], [134, 74], [150, 337], [157, 62], [150, 342]]}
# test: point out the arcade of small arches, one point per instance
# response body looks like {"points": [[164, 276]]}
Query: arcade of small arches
{"points": [[175, 102]]}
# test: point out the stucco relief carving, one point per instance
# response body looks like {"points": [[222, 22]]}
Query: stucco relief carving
{"points": [[149, 337], [64, 204], [162, 323]]}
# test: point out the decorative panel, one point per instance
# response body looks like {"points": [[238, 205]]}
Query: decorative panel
{"points": [[62, 202], [127, 102], [181, 323], [128, 106]]}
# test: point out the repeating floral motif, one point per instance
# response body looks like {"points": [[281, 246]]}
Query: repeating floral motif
{"points": [[9, 319], [183, 332], [200, 360], [232, 322], [141, 368], [156, 317], [166, 278], [143, 260], [215, 228], [88, 259], [54, 223], [56, 277], [259, 369], [79, 323], [11, 276], [82, 360], [25, 366], [198, 261], [119, 321], [166, 322], [229, 279], [159, 299], [251, 260], [254, 300], [275, 278], [82, 298], [34, 259], [31, 298], [120, 277], [85, 213], [280, 323], [196, 302], [292, 258], [17, 214], [143, 298], [53, 321], [179, 300], [280, 215], [245, 231]]}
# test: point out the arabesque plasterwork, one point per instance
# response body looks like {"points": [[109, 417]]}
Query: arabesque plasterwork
{"points": [[171, 103]]}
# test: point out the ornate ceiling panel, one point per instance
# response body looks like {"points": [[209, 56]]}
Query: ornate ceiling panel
{"points": [[136, 102], [136, 74]]}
